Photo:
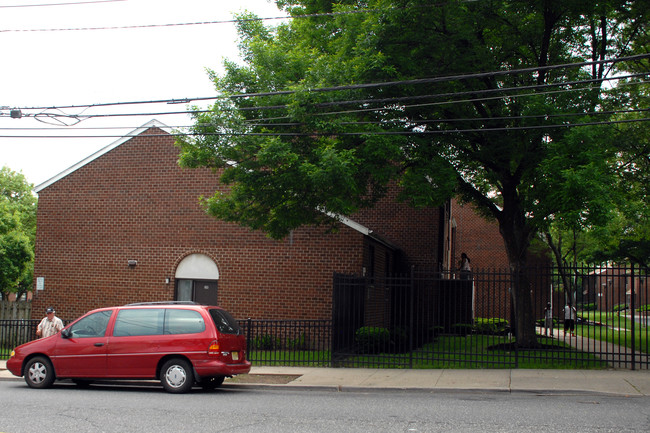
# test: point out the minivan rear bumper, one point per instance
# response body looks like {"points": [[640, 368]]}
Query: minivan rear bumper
{"points": [[219, 368]]}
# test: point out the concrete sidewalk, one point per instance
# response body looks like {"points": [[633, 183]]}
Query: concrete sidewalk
{"points": [[606, 382]]}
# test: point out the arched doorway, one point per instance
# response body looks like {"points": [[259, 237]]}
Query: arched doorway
{"points": [[196, 280]]}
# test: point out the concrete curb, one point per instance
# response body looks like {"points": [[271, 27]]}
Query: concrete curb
{"points": [[611, 382]]}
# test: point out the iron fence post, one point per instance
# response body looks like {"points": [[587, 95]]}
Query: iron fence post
{"points": [[249, 325], [632, 306], [411, 328]]}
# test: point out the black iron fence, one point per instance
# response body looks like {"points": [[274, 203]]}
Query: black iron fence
{"points": [[453, 320], [289, 342], [14, 333], [447, 320]]}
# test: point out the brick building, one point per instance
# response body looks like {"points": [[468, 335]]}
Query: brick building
{"points": [[477, 237], [125, 225], [611, 288]]}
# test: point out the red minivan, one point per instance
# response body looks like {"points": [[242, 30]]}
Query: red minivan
{"points": [[179, 343]]}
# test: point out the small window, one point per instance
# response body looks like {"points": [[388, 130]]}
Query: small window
{"points": [[183, 322], [139, 322], [90, 326], [224, 322]]}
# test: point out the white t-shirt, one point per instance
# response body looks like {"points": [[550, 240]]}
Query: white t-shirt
{"points": [[569, 313], [50, 327]]}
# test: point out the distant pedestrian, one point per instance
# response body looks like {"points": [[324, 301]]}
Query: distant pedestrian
{"points": [[548, 319], [465, 267], [50, 325], [569, 319]]}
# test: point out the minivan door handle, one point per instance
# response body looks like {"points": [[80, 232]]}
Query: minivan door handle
{"points": [[99, 344]]}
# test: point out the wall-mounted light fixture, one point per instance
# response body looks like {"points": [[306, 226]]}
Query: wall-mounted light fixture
{"points": [[132, 263], [167, 280]]}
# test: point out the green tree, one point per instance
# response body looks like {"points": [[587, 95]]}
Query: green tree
{"points": [[626, 235], [17, 232], [462, 99]]}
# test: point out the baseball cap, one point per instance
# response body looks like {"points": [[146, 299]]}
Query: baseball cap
{"points": [[49, 310]]}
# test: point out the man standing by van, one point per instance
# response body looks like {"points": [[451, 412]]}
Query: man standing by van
{"points": [[50, 324]]}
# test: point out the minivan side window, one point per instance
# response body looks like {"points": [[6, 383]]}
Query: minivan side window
{"points": [[93, 325], [224, 322], [183, 322], [143, 321]]}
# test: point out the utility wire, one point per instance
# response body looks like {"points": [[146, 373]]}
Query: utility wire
{"points": [[60, 4], [231, 21], [453, 101], [356, 133], [368, 122], [294, 124], [260, 122], [141, 26], [361, 86], [256, 122]]}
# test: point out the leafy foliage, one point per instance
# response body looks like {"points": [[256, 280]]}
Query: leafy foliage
{"points": [[17, 232], [372, 339], [464, 99], [266, 342]]}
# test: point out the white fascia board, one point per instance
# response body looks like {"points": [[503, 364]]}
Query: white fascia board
{"points": [[354, 225], [348, 222], [151, 124], [361, 229]]}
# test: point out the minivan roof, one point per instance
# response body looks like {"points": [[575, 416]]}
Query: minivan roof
{"points": [[163, 303]]}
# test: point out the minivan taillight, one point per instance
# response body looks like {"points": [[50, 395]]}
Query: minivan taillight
{"points": [[214, 348]]}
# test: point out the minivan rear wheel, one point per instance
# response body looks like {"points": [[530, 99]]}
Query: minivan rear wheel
{"points": [[176, 376], [39, 372]]}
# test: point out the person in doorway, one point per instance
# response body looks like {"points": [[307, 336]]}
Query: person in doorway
{"points": [[50, 325], [465, 267], [569, 319], [548, 319]]}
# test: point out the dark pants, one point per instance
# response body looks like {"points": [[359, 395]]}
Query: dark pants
{"points": [[569, 324]]}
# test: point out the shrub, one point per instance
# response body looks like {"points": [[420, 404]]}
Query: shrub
{"points": [[265, 342], [619, 307], [490, 326], [298, 343], [643, 308], [372, 339], [589, 307], [399, 340]]}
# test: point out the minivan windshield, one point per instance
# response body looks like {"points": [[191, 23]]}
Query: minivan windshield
{"points": [[224, 322]]}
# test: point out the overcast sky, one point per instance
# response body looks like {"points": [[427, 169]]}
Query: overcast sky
{"points": [[54, 68]]}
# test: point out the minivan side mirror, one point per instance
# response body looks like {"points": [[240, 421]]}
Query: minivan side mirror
{"points": [[65, 333]]}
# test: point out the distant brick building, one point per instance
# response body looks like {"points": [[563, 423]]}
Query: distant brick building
{"points": [[125, 225], [611, 288]]}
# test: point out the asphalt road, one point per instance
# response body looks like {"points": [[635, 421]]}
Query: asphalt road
{"points": [[65, 408]]}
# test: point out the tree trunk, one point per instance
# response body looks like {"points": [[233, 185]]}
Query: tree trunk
{"points": [[517, 233], [522, 303]]}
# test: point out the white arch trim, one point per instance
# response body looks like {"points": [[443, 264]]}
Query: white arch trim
{"points": [[197, 267]]}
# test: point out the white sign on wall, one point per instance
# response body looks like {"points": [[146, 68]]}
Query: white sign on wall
{"points": [[40, 283]]}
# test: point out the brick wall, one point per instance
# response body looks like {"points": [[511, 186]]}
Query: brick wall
{"points": [[477, 237], [135, 203], [416, 232]]}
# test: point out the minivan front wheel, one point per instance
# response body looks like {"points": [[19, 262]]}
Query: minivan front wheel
{"points": [[39, 372], [176, 376]]}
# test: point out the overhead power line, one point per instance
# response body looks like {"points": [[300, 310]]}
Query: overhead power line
{"points": [[360, 123], [141, 26], [59, 4], [366, 85], [231, 21], [356, 133], [45, 115]]}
